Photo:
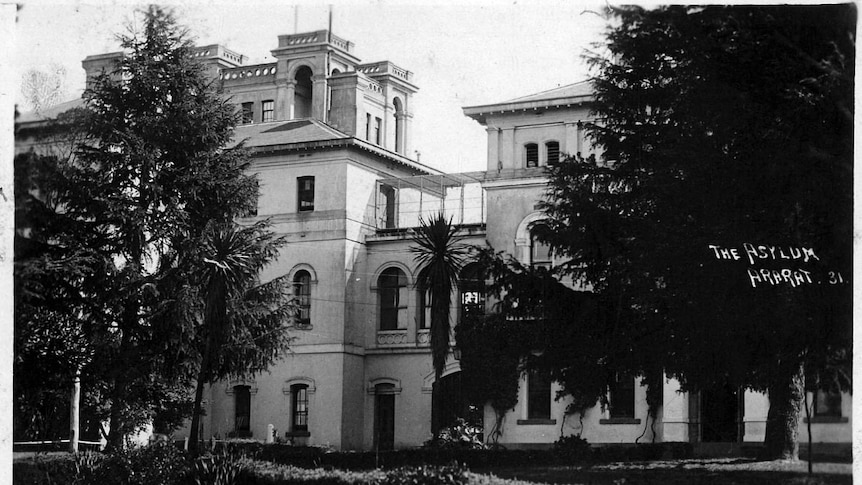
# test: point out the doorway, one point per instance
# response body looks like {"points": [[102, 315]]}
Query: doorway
{"points": [[384, 417], [721, 412]]}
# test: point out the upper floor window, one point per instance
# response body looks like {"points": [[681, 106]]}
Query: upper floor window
{"points": [[538, 394], [268, 110], [552, 150], [377, 122], [302, 294], [622, 397], [299, 407], [392, 286], [247, 113], [425, 297], [540, 252], [305, 193], [367, 127], [531, 154], [472, 291], [827, 403]]}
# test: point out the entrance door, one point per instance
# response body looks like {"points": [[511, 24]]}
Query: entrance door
{"points": [[720, 414], [384, 418]]}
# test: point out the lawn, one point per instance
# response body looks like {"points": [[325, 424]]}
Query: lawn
{"points": [[679, 472]]}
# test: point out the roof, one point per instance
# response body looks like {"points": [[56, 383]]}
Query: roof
{"points": [[579, 89], [285, 132], [49, 113], [563, 96], [309, 134]]}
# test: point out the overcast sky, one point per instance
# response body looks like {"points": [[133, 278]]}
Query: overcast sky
{"points": [[461, 54]]}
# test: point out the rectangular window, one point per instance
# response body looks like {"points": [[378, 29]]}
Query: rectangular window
{"points": [[247, 113], [299, 405], [424, 309], [268, 111], [305, 193], [242, 411], [367, 127], [622, 397], [538, 394], [531, 152], [827, 403], [377, 122], [553, 152]]}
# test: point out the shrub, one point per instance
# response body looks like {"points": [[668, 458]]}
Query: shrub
{"points": [[572, 448], [428, 475], [220, 469], [459, 435]]}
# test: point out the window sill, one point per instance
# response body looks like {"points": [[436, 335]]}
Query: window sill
{"points": [[535, 421], [297, 434], [620, 421], [827, 419]]}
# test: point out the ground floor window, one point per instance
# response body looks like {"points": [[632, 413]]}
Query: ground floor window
{"points": [[242, 410], [539, 394], [299, 408]]}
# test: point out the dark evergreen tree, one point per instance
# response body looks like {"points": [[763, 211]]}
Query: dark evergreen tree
{"points": [[151, 173], [720, 126]]}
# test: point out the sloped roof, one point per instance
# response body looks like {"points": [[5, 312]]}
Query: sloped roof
{"points": [[286, 132], [571, 94], [578, 89], [49, 113]]}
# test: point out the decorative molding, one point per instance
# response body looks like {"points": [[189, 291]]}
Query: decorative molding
{"points": [[373, 383], [391, 337], [536, 422], [308, 381]]}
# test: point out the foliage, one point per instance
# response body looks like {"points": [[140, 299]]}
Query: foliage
{"points": [[720, 126], [440, 254], [428, 475], [572, 448], [219, 469], [119, 231], [460, 434]]}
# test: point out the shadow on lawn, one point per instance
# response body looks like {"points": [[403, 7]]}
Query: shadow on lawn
{"points": [[684, 472]]}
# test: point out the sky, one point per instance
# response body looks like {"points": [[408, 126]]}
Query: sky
{"points": [[462, 54]]}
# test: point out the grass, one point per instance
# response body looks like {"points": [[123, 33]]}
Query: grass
{"points": [[679, 472]]}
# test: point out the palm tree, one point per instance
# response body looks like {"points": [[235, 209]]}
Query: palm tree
{"points": [[242, 321], [440, 256]]}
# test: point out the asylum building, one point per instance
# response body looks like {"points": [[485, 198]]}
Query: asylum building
{"points": [[331, 142]]}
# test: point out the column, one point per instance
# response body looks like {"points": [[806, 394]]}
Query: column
{"points": [[494, 161]]}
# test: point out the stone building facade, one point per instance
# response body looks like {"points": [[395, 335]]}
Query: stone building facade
{"points": [[331, 141]]}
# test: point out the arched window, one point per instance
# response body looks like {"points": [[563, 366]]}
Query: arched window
{"points": [[399, 125], [302, 294], [299, 408], [540, 253], [472, 291], [302, 98], [552, 150], [392, 286], [531, 155]]}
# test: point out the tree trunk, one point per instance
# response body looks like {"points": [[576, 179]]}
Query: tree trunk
{"points": [[74, 414], [782, 421], [194, 437]]}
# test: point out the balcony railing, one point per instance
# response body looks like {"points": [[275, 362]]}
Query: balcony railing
{"points": [[403, 202]]}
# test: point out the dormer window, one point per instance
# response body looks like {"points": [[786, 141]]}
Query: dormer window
{"points": [[531, 154]]}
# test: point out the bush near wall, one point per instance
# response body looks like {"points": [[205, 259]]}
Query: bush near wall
{"points": [[316, 457]]}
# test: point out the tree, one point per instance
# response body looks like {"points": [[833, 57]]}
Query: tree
{"points": [[440, 255], [722, 128], [243, 329], [150, 174]]}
